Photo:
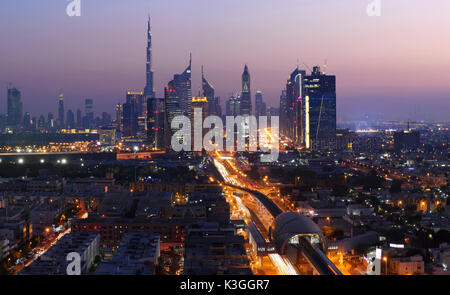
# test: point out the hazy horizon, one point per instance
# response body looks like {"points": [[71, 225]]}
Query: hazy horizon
{"points": [[394, 65]]}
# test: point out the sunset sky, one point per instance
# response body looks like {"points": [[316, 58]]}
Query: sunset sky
{"points": [[397, 64]]}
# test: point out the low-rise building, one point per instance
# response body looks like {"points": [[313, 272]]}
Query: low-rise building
{"points": [[412, 265], [43, 216], [54, 261], [211, 249], [4, 248], [137, 254]]}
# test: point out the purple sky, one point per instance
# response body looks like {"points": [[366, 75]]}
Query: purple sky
{"points": [[395, 65]]}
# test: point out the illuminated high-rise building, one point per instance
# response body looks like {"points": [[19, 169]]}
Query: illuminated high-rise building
{"points": [[295, 106], [233, 106], [246, 100], [148, 89], [156, 123], [119, 117], [199, 104], [321, 89], [183, 88], [173, 108], [208, 92], [89, 108], [133, 118], [283, 113], [61, 122], [129, 120], [260, 106]]}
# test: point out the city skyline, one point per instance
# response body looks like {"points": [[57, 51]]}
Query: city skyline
{"points": [[105, 66]]}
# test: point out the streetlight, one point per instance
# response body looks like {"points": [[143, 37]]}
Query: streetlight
{"points": [[385, 259], [135, 149]]}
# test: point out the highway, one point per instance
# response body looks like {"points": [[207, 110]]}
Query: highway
{"points": [[315, 257], [41, 249]]}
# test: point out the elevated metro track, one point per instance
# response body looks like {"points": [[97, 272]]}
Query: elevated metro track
{"points": [[316, 258], [313, 255]]}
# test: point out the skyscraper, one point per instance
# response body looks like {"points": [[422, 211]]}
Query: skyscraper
{"points": [[295, 105], [27, 121], [173, 108], [156, 123], [70, 120], [208, 92], [79, 118], [132, 110], [246, 100], [260, 106], [89, 113], [14, 103], [148, 89], [61, 110], [50, 121], [106, 119], [140, 109], [233, 106], [182, 83], [41, 123], [200, 103], [89, 108], [129, 120], [283, 113], [321, 90], [119, 116]]}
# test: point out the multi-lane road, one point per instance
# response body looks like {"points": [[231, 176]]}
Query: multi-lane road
{"points": [[41, 249]]}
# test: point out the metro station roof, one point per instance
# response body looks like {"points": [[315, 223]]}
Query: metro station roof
{"points": [[290, 224]]}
